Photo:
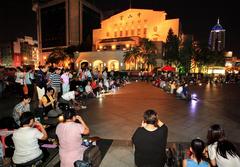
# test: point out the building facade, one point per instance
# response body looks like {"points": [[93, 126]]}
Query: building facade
{"points": [[62, 23], [217, 38], [23, 51], [124, 30]]}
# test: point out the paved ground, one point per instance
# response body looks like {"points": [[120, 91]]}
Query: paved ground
{"points": [[116, 116]]}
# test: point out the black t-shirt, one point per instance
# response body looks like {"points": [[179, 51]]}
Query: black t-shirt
{"points": [[150, 147]]}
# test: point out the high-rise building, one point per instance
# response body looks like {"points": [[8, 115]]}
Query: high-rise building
{"points": [[217, 38], [62, 23]]}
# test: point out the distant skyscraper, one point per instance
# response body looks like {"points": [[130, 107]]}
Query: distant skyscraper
{"points": [[217, 38]]}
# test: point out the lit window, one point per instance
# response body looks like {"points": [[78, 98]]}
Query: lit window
{"points": [[145, 31], [155, 29], [126, 33], [138, 31], [132, 32], [115, 34], [120, 34], [107, 34]]}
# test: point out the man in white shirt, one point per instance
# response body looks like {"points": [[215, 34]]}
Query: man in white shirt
{"points": [[69, 99], [26, 138]]}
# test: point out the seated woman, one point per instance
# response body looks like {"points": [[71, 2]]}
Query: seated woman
{"points": [[150, 141], [49, 103], [222, 153], [197, 155], [25, 139], [69, 135]]}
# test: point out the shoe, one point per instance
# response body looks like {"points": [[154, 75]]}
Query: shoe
{"points": [[83, 107]]}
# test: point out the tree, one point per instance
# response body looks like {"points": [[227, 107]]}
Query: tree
{"points": [[148, 52], [172, 48], [132, 55], [145, 54], [56, 56], [186, 54]]}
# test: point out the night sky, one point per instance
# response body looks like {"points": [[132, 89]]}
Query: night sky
{"points": [[197, 17]]}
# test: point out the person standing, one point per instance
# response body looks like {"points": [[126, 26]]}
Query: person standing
{"points": [[65, 81], [41, 82], [29, 78], [55, 82], [150, 141]]}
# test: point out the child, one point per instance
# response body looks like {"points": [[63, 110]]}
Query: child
{"points": [[197, 155]]}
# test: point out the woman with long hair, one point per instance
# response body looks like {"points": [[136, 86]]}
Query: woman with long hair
{"points": [[222, 153], [197, 155]]}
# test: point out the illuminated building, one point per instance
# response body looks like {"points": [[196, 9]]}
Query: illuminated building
{"points": [[21, 52], [217, 38], [124, 30]]}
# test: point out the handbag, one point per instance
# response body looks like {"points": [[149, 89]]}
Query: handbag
{"points": [[80, 163], [25, 89]]}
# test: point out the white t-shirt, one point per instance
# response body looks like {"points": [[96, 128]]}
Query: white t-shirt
{"points": [[179, 90], [69, 96], [222, 162], [25, 140], [88, 89]]}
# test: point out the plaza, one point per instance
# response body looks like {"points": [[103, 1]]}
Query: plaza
{"points": [[116, 115]]}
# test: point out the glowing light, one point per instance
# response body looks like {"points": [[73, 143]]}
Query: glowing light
{"points": [[100, 47], [127, 45], [121, 64], [25, 58], [113, 47], [90, 64], [61, 118]]}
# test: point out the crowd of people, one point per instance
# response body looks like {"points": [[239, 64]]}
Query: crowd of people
{"points": [[150, 141], [58, 92]]}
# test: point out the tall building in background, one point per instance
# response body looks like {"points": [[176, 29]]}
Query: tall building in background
{"points": [[217, 38], [62, 23]]}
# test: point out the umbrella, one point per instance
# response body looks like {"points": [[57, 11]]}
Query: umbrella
{"points": [[168, 68]]}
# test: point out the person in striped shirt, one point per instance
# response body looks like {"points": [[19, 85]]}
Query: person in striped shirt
{"points": [[55, 82]]}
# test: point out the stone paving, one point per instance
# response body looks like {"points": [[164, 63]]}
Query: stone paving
{"points": [[117, 115]]}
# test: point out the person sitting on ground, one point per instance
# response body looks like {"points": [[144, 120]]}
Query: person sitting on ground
{"points": [[179, 92], [69, 135], [197, 150], [222, 153], [69, 98], [49, 104], [150, 141], [26, 138], [88, 90], [21, 107]]}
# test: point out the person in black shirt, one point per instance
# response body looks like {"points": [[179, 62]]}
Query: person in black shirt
{"points": [[150, 141]]}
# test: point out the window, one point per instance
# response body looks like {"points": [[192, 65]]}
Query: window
{"points": [[115, 34], [120, 34], [126, 33], [145, 31], [107, 34], [155, 29], [138, 31], [132, 32]]}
